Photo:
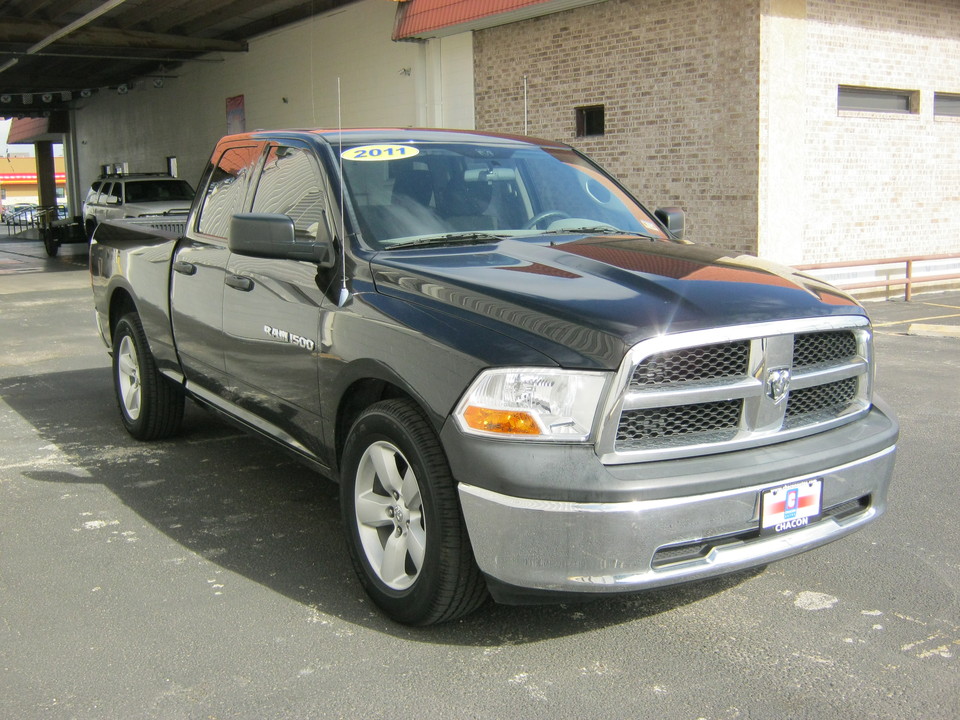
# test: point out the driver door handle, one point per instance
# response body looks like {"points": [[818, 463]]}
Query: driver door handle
{"points": [[185, 268], [239, 282]]}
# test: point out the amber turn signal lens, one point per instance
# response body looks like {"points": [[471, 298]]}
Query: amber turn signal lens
{"points": [[507, 422]]}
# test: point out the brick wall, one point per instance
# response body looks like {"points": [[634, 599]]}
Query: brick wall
{"points": [[879, 184], [679, 84], [729, 109]]}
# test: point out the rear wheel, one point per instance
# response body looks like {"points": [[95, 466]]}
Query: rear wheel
{"points": [[50, 244], [151, 406], [406, 536]]}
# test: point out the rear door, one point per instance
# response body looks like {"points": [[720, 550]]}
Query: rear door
{"points": [[271, 312], [199, 267]]}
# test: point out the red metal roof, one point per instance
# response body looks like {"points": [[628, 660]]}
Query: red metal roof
{"points": [[27, 130], [430, 18], [23, 130]]}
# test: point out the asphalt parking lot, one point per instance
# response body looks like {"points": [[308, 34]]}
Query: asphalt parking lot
{"points": [[206, 576]]}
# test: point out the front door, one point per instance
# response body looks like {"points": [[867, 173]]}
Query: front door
{"points": [[271, 308]]}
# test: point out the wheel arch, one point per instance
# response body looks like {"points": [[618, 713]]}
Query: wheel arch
{"points": [[363, 384], [121, 303]]}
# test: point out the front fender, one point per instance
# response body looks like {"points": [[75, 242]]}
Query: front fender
{"points": [[380, 342]]}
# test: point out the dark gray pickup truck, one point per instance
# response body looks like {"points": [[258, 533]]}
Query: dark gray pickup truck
{"points": [[525, 384]]}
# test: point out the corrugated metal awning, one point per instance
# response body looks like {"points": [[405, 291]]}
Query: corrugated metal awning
{"points": [[422, 19]]}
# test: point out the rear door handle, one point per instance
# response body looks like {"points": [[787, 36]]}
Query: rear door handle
{"points": [[239, 282], [185, 268]]}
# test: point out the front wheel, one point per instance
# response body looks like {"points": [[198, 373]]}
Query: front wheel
{"points": [[151, 406], [406, 536]]}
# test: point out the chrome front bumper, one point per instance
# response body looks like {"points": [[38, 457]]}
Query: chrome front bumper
{"points": [[583, 547]]}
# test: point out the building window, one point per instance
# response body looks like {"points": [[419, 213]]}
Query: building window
{"points": [[863, 99], [589, 120], [946, 104]]}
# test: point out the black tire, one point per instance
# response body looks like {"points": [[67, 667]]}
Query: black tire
{"points": [[151, 405], [89, 226], [51, 246], [418, 524]]}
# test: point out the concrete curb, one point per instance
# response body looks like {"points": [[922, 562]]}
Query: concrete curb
{"points": [[922, 330]]}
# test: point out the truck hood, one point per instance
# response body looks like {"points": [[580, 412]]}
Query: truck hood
{"points": [[584, 300]]}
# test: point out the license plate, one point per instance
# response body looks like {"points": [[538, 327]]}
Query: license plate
{"points": [[790, 507]]}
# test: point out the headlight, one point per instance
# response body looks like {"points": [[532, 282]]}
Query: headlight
{"points": [[532, 404]]}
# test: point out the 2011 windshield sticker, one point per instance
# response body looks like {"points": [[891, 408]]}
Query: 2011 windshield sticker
{"points": [[292, 338], [379, 153]]}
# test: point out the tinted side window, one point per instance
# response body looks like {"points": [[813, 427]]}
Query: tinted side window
{"points": [[290, 184], [94, 191], [158, 191], [225, 192], [107, 192]]}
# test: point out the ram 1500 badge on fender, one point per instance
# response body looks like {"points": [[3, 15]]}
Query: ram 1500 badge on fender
{"points": [[525, 384]]}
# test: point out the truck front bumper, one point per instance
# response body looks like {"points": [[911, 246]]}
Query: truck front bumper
{"points": [[530, 548]]}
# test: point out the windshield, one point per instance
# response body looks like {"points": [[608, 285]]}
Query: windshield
{"points": [[401, 192], [158, 191]]}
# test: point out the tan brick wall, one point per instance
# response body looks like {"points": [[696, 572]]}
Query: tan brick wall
{"points": [[880, 185], [729, 109], [679, 83]]}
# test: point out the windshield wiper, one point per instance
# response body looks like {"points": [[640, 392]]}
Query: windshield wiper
{"points": [[594, 230], [457, 238]]}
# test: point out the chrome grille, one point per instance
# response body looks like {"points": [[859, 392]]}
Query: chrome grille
{"points": [[718, 390], [723, 360], [810, 349], [820, 401], [713, 422]]}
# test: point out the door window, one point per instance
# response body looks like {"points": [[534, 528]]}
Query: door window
{"points": [[290, 184], [106, 193], [225, 192]]}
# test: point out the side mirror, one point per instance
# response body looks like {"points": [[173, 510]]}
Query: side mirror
{"points": [[112, 200], [269, 235], [672, 219]]}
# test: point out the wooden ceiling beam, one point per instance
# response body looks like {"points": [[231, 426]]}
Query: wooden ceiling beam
{"points": [[161, 18]]}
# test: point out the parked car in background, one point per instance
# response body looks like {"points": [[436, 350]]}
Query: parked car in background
{"points": [[138, 195], [23, 212]]}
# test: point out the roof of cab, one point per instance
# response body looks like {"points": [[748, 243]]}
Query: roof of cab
{"points": [[387, 135]]}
